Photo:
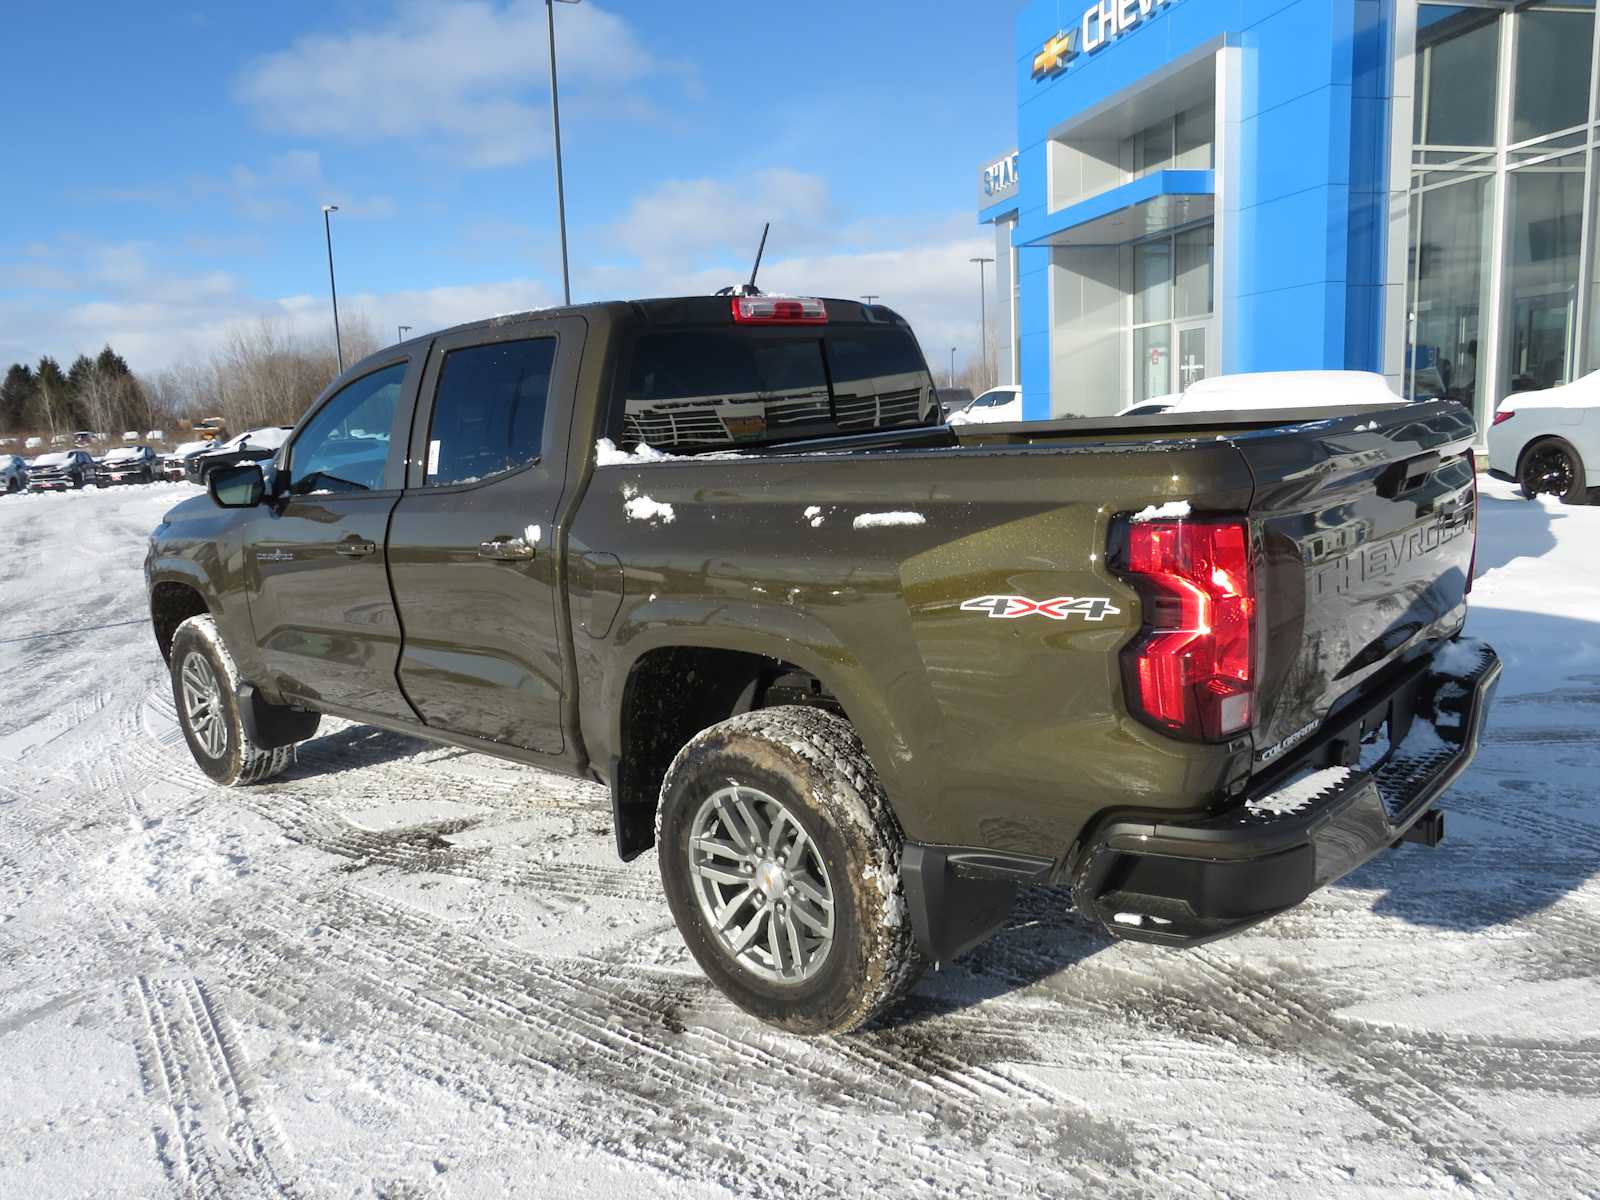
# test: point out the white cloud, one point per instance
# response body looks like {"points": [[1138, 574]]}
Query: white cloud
{"points": [[685, 220], [472, 76], [683, 237], [697, 235]]}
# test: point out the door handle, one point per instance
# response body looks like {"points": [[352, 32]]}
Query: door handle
{"points": [[353, 547], [506, 549]]}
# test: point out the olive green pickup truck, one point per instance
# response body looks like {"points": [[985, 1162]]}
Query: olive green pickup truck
{"points": [[857, 676]]}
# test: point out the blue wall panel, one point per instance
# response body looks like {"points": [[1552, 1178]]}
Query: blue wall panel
{"points": [[1309, 255]]}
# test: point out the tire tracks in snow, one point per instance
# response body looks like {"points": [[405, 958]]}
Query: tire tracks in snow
{"points": [[222, 1142], [623, 1032]]}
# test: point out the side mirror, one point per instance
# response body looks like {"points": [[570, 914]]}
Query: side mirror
{"points": [[241, 486]]}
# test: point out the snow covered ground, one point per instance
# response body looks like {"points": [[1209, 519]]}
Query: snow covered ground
{"points": [[408, 971]]}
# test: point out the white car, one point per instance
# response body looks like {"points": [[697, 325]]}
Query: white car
{"points": [[1549, 441], [1003, 403], [1272, 389]]}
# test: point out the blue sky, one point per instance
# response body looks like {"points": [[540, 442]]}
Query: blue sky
{"points": [[166, 164]]}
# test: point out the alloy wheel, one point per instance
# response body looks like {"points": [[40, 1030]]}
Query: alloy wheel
{"points": [[202, 704], [761, 884], [1548, 471]]}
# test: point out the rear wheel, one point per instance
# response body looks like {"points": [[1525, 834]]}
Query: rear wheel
{"points": [[781, 863], [1553, 467], [204, 680]]}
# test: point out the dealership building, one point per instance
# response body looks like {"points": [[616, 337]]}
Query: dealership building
{"points": [[1217, 186]]}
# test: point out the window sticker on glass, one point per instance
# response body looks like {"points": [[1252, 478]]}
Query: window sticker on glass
{"points": [[433, 458]]}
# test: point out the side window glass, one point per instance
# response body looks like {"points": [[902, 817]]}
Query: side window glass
{"points": [[488, 410], [345, 447]]}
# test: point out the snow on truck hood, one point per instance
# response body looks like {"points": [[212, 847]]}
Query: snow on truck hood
{"points": [[52, 460]]}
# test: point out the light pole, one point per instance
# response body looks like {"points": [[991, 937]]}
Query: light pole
{"points": [[327, 232], [555, 122], [401, 331], [983, 317], [869, 298], [952, 366]]}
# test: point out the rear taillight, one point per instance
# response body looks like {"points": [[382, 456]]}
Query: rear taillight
{"points": [[1191, 672], [1472, 463], [779, 310], [1504, 415]]}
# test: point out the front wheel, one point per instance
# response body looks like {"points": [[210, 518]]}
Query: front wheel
{"points": [[204, 683], [780, 859], [1552, 467]]}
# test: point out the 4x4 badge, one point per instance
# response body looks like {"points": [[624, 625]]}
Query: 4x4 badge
{"points": [[1059, 608]]}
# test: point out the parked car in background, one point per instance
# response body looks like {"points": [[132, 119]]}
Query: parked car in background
{"points": [[33, 443], [172, 467], [211, 429], [1549, 441], [61, 471], [256, 445], [1003, 403], [952, 400], [13, 473], [128, 464]]}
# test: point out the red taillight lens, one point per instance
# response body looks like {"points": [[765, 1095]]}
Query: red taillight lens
{"points": [[1192, 671], [1504, 415], [779, 310]]}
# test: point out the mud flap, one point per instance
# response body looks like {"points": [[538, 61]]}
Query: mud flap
{"points": [[271, 726], [951, 911]]}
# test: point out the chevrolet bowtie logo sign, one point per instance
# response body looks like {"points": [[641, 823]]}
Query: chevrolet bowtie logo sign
{"points": [[1057, 52]]}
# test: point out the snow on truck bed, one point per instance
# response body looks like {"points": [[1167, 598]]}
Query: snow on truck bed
{"points": [[406, 970]]}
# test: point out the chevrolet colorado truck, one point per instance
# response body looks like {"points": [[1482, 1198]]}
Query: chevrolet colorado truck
{"points": [[854, 674]]}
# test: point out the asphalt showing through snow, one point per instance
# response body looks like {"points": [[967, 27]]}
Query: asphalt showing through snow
{"points": [[403, 970]]}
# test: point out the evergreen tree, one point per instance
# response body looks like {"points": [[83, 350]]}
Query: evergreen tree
{"points": [[81, 410], [111, 364], [16, 398]]}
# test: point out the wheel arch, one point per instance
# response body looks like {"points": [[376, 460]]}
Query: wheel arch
{"points": [[173, 600], [651, 715]]}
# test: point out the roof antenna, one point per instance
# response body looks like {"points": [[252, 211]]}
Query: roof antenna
{"points": [[750, 289]]}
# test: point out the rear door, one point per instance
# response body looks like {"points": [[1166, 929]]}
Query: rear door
{"points": [[1367, 527], [472, 548], [318, 593]]}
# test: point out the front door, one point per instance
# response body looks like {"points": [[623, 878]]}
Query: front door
{"points": [[473, 551], [1194, 354], [318, 592]]}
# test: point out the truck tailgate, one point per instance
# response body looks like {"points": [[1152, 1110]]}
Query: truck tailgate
{"points": [[1367, 525]]}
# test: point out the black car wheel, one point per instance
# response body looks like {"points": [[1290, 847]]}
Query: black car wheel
{"points": [[204, 683], [780, 858], [1552, 467]]}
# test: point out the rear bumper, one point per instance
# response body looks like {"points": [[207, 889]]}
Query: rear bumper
{"points": [[1149, 877]]}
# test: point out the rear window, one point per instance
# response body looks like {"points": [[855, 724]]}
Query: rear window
{"points": [[701, 388]]}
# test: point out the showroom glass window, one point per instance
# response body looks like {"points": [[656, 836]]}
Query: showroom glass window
{"points": [[1501, 193]]}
